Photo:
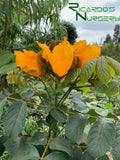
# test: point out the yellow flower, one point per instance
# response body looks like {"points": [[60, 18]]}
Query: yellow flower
{"points": [[61, 56], [85, 52], [65, 56], [28, 59]]}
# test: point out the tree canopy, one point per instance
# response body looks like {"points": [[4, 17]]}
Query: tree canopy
{"points": [[116, 36], [71, 31], [15, 15]]}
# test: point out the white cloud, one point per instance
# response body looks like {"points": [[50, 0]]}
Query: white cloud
{"points": [[92, 31], [89, 3], [92, 36]]}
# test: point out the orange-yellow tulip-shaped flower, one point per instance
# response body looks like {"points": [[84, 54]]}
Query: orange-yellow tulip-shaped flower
{"points": [[28, 59], [85, 52], [60, 58]]}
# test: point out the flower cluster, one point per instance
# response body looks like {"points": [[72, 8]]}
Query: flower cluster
{"points": [[60, 56]]}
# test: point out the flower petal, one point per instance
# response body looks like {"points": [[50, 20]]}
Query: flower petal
{"points": [[46, 50], [61, 58], [80, 47], [29, 59], [85, 52]]}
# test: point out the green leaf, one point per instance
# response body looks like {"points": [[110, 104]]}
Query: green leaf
{"points": [[61, 144], [1, 10], [20, 150], [77, 153], [62, 85], [87, 156], [113, 88], [82, 86], [10, 10], [7, 7], [39, 138], [101, 111], [103, 71], [19, 90], [105, 157], [115, 65], [108, 106], [2, 102], [8, 67], [50, 120], [100, 87], [26, 152], [112, 71], [113, 116], [75, 126], [77, 103], [58, 115], [116, 144], [93, 115], [28, 94], [57, 156], [15, 118], [15, 96], [101, 136], [105, 107], [87, 70], [72, 75], [85, 89], [5, 58]]}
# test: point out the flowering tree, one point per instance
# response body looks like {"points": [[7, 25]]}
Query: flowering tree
{"points": [[60, 69]]}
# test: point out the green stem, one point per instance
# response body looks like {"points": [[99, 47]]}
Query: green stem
{"points": [[65, 96], [46, 148], [82, 86], [42, 100], [61, 131], [69, 90], [55, 101], [47, 91]]}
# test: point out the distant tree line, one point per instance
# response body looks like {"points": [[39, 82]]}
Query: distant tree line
{"points": [[111, 45], [116, 36]]}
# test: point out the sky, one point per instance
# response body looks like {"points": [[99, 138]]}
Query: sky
{"points": [[92, 31]]}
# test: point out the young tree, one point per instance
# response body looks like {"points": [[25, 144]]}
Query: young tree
{"points": [[71, 31], [107, 39], [116, 36]]}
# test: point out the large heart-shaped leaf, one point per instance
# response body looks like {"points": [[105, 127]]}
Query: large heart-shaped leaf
{"points": [[103, 71], [116, 144], [61, 144], [15, 118], [75, 126], [101, 136]]}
